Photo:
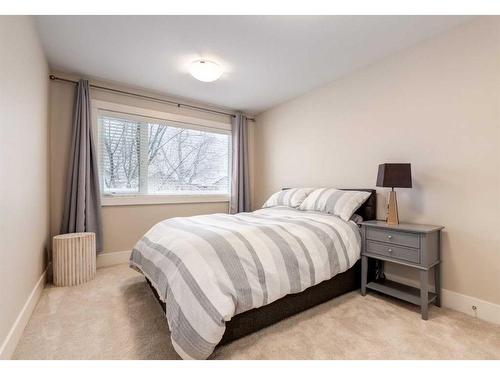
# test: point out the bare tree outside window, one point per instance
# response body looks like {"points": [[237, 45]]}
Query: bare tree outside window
{"points": [[178, 160], [120, 155]]}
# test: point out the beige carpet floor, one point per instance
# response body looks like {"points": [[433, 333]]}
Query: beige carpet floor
{"points": [[116, 316]]}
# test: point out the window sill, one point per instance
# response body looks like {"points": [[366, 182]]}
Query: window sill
{"points": [[140, 200]]}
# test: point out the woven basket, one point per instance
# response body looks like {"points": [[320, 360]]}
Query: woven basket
{"points": [[73, 258]]}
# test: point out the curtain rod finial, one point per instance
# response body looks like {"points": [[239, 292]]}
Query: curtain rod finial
{"points": [[52, 77]]}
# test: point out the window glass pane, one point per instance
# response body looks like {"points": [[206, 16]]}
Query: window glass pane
{"points": [[143, 157], [119, 155], [187, 161]]}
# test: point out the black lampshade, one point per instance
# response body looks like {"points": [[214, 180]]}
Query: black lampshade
{"points": [[394, 175]]}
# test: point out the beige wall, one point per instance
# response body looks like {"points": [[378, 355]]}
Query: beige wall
{"points": [[24, 205], [123, 225], [435, 105]]}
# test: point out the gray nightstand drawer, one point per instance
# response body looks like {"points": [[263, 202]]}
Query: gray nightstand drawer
{"points": [[395, 252], [393, 237]]}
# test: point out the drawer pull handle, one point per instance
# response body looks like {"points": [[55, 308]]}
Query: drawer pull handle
{"points": [[389, 236], [389, 250]]}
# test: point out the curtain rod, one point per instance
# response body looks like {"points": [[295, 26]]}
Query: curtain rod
{"points": [[171, 102]]}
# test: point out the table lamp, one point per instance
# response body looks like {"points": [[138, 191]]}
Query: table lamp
{"points": [[394, 175]]}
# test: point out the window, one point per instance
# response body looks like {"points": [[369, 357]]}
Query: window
{"points": [[147, 157]]}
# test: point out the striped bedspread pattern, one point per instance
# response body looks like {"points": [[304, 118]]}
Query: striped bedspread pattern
{"points": [[209, 268]]}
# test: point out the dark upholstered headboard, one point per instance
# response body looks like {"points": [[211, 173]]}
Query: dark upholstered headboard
{"points": [[368, 210]]}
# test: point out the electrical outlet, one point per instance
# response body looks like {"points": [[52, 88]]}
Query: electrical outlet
{"points": [[474, 310]]}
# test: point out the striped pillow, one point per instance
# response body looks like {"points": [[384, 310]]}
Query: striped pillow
{"points": [[336, 202], [289, 197]]}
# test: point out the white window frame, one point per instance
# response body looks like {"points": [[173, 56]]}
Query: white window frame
{"points": [[180, 120]]}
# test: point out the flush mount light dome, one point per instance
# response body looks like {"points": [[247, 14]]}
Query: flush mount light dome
{"points": [[205, 70]]}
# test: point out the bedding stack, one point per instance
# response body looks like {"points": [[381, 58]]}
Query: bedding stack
{"points": [[342, 203], [209, 268]]}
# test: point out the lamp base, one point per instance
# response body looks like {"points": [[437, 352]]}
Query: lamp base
{"points": [[393, 217]]}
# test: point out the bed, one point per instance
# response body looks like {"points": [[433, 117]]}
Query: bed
{"points": [[220, 277]]}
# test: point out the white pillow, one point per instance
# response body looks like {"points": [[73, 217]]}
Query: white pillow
{"points": [[342, 203], [289, 197]]}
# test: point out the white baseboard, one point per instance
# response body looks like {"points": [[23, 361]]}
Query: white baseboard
{"points": [[9, 345], [113, 258], [485, 310]]}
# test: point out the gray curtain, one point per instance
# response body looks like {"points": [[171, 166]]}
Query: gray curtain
{"points": [[240, 186], [82, 208]]}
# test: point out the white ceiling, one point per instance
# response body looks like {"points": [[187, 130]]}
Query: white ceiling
{"points": [[268, 59]]}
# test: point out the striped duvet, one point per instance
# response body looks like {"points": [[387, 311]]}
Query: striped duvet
{"points": [[209, 268]]}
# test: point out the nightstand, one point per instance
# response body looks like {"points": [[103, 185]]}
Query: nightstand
{"points": [[412, 245]]}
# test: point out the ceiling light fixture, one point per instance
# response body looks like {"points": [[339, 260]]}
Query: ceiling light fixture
{"points": [[205, 70]]}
